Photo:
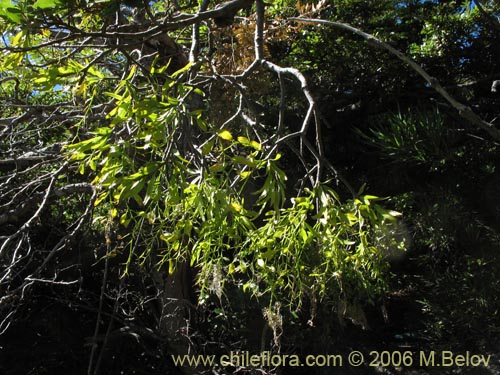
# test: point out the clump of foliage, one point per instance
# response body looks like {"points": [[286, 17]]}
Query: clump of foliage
{"points": [[415, 138], [164, 160], [194, 211], [169, 174]]}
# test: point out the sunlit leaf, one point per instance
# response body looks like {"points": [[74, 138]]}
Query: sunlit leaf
{"points": [[10, 11], [226, 135], [44, 4]]}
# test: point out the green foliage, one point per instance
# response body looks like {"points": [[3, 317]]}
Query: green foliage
{"points": [[338, 248], [183, 210], [167, 170], [418, 138], [457, 249]]}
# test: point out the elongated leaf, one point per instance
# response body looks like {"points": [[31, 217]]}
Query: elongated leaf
{"points": [[45, 4], [226, 135]]}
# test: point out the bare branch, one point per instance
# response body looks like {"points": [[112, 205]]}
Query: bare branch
{"points": [[259, 31], [24, 161], [54, 282], [195, 42], [312, 112], [463, 110], [30, 204]]}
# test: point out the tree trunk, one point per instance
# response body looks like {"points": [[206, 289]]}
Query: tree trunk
{"points": [[176, 307]]}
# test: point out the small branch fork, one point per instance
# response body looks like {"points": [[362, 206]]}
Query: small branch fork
{"points": [[312, 116], [16, 248]]}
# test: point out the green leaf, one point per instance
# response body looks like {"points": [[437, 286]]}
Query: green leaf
{"points": [[226, 135], [114, 95], [45, 4], [131, 73], [9, 10], [244, 141], [207, 148], [245, 174], [125, 219], [243, 160], [182, 70], [256, 145]]}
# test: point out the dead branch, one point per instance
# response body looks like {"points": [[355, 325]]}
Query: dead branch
{"points": [[30, 205], [463, 110]]}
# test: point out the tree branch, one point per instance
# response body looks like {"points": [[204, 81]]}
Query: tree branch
{"points": [[30, 204], [491, 19], [463, 110]]}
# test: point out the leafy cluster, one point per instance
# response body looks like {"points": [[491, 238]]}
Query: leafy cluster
{"points": [[190, 206], [171, 170]]}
